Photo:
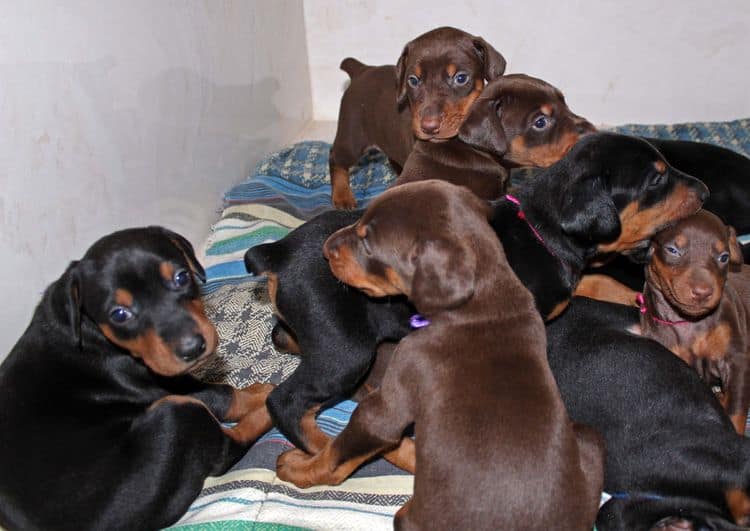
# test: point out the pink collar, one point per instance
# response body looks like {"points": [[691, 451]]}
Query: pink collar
{"points": [[641, 300], [522, 215]]}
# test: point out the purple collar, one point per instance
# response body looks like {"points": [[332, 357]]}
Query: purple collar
{"points": [[418, 321]]}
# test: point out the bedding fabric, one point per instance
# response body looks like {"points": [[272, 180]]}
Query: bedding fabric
{"points": [[286, 189]]}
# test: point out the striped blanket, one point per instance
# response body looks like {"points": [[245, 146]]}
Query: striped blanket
{"points": [[286, 189]]}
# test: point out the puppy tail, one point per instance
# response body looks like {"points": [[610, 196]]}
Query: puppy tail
{"points": [[352, 67], [263, 258]]}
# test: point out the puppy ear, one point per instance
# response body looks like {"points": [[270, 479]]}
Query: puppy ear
{"points": [[66, 300], [494, 62], [589, 213], [401, 76], [735, 251], [186, 248], [483, 127], [444, 275]]}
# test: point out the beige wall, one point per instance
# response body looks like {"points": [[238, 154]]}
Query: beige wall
{"points": [[126, 113], [617, 61]]}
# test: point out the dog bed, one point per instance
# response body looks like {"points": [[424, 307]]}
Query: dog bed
{"points": [[286, 189]]}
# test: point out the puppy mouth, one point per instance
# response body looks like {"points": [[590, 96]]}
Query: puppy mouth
{"points": [[687, 309]]}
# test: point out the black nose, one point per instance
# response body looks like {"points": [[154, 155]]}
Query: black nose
{"points": [[191, 347]]}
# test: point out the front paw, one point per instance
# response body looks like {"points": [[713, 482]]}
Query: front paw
{"points": [[344, 199], [298, 467]]}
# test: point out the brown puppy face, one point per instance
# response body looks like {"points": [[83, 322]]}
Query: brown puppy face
{"points": [[440, 74], [523, 120], [397, 247], [690, 261], [139, 287]]}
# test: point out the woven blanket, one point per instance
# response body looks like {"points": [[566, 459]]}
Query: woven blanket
{"points": [[287, 188]]}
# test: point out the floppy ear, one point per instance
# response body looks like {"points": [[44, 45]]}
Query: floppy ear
{"points": [[401, 76], [444, 275], [735, 251], [494, 62], [66, 300], [483, 128], [186, 247], [589, 213]]}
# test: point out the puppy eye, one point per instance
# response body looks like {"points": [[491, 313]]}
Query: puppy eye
{"points": [[723, 258], [120, 315], [413, 81], [541, 123], [674, 251], [461, 78], [181, 278], [657, 180]]}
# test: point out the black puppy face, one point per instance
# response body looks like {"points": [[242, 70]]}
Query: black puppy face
{"points": [[139, 286], [620, 191], [523, 120], [690, 262], [440, 74], [413, 239]]}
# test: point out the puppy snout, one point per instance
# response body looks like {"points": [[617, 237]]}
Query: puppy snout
{"points": [[701, 292], [430, 125], [191, 347]]}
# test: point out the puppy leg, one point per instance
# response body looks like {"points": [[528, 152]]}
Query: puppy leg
{"points": [[342, 195], [376, 425], [249, 409], [605, 288], [402, 520], [735, 381], [404, 456]]}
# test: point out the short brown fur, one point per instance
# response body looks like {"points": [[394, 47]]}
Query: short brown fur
{"points": [[454, 274]]}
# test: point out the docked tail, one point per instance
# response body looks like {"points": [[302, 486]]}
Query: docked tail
{"points": [[263, 258], [352, 67]]}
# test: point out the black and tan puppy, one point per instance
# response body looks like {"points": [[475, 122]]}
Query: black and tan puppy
{"points": [[724, 171], [609, 193], [674, 461], [474, 357], [101, 426], [427, 95]]}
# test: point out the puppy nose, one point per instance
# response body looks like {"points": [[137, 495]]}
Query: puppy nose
{"points": [[701, 292], [191, 347], [430, 124]]}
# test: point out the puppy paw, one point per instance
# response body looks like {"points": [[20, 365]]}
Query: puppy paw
{"points": [[248, 400], [296, 466], [344, 199]]}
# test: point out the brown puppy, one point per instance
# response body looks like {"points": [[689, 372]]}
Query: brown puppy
{"points": [[517, 120], [427, 94], [696, 302], [483, 353]]}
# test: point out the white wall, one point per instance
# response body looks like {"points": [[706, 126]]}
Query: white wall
{"points": [[125, 113], [617, 61]]}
